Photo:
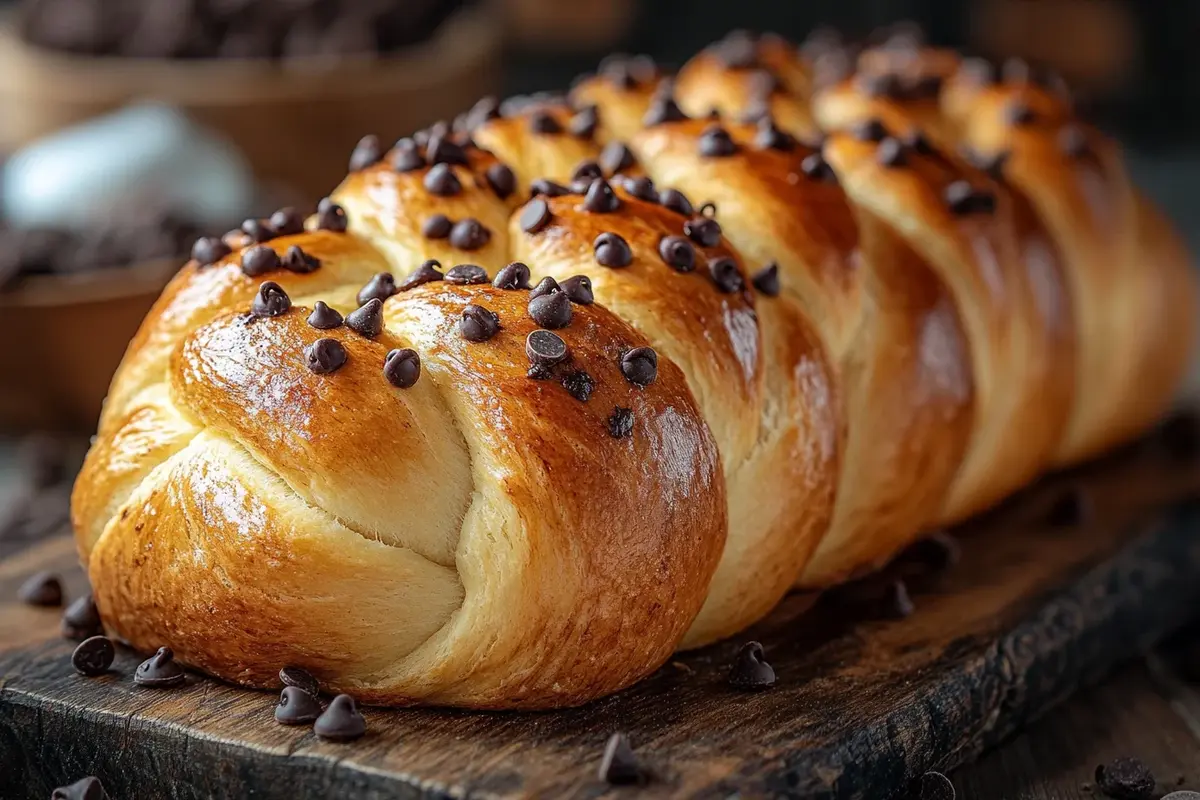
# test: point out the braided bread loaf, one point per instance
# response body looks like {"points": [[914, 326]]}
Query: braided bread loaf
{"points": [[640, 420]]}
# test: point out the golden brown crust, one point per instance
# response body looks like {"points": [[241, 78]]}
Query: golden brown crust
{"points": [[532, 154]]}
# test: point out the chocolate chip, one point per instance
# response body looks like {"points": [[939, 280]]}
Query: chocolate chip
{"points": [[402, 368], [331, 216], [1019, 113], [546, 285], [715, 142], [544, 122], [296, 260], [428, 272], [537, 372], [815, 167], [478, 324], [612, 251], [382, 286], [367, 319], [436, 227], [1126, 779], [676, 201], [579, 289], [600, 198], [1018, 70], [642, 188], [535, 215], [441, 181], [616, 157], [545, 348], [762, 83], [703, 231], [271, 300], [442, 150], [88, 788], [916, 141], [938, 551], [619, 766], [750, 671], [891, 153], [663, 109], [81, 620], [620, 423], [963, 198], [300, 678], [1073, 141], [870, 130], [979, 71], [896, 603], [469, 234], [585, 173], [160, 671], [341, 722], [257, 231], [407, 157], [466, 275], [548, 188], [738, 50], [501, 179], [769, 137], [209, 250], [1072, 507], [485, 109], [512, 276], [583, 124], [425, 136], [551, 310], [766, 280], [882, 84], [934, 786], [41, 589], [579, 385], [296, 707], [259, 260], [325, 356], [286, 222], [678, 253], [93, 656], [640, 366], [367, 152]]}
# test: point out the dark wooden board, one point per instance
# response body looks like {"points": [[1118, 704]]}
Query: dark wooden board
{"points": [[1029, 615]]}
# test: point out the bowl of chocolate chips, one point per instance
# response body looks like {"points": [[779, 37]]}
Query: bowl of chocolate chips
{"points": [[292, 83]]}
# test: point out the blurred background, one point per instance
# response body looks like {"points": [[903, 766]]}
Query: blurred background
{"points": [[128, 127]]}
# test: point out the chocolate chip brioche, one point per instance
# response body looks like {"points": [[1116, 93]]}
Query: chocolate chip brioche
{"points": [[534, 400]]}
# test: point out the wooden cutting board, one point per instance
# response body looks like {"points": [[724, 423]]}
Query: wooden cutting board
{"points": [[863, 705]]}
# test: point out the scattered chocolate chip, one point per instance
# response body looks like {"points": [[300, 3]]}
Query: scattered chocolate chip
{"points": [[870, 130], [663, 109], [600, 198], [428, 272], [41, 589], [300, 678], [296, 260], [537, 372], [1018, 70], [367, 152], [466, 275], [891, 153], [584, 174], [546, 285], [296, 707], [766, 280], [583, 123], [341, 722], [879, 84], [547, 188], [1126, 779], [725, 274], [896, 603], [676, 201], [259, 260], [442, 181], [512, 276], [934, 786], [769, 137], [1180, 436], [579, 385], [160, 671], [579, 289], [367, 319], [93, 656], [257, 231], [715, 142], [640, 366], [619, 766], [209, 250], [424, 136], [704, 231], [551, 310], [917, 142], [963, 198], [402, 368], [738, 50], [1070, 508], [979, 71], [331, 216], [286, 222], [88, 788], [616, 157], [612, 251], [81, 620], [501, 179], [407, 157], [544, 122], [469, 234], [642, 188], [1019, 113], [271, 300], [750, 671], [436, 227], [762, 83], [545, 348], [381, 286], [678, 253], [939, 551], [478, 324], [535, 215], [325, 356], [620, 423], [815, 167], [1073, 141], [442, 150], [485, 109]]}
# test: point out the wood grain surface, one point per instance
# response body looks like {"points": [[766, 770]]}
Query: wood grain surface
{"points": [[1031, 613]]}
